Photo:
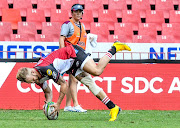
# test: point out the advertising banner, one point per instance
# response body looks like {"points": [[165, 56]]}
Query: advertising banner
{"points": [[20, 50], [131, 86]]}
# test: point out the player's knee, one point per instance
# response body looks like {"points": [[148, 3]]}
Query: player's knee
{"points": [[97, 72], [73, 82], [88, 81]]}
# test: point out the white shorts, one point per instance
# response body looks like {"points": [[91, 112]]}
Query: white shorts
{"points": [[80, 70]]}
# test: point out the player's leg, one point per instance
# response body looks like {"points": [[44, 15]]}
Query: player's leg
{"points": [[68, 101], [73, 89], [114, 109], [96, 69], [90, 66], [71, 94], [87, 80]]}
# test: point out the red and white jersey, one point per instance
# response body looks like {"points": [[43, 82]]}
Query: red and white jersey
{"points": [[71, 58], [56, 63], [62, 59]]}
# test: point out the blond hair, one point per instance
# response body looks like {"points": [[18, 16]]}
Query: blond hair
{"points": [[21, 74]]}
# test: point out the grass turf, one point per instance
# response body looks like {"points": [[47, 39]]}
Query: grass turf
{"points": [[91, 119]]}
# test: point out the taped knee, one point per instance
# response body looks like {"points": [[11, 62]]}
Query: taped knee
{"points": [[89, 82]]}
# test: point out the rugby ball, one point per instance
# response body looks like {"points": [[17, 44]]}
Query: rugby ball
{"points": [[48, 110]]}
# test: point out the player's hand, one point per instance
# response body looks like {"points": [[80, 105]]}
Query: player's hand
{"points": [[56, 108], [45, 102]]}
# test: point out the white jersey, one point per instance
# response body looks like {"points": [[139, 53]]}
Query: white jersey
{"points": [[62, 65]]}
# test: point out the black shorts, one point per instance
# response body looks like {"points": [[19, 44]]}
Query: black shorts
{"points": [[81, 56]]}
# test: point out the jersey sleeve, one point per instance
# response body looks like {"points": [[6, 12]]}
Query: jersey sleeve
{"points": [[48, 72], [65, 29]]}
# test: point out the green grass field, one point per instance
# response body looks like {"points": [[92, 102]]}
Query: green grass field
{"points": [[91, 119]]}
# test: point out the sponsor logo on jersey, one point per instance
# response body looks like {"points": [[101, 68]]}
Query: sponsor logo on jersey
{"points": [[77, 64], [49, 72], [54, 74]]}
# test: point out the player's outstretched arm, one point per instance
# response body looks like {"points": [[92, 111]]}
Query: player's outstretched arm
{"points": [[48, 93], [63, 90]]}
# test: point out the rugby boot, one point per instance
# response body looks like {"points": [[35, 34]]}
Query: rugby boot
{"points": [[114, 113], [121, 46]]}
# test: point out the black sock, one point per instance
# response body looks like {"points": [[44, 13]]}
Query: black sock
{"points": [[108, 102], [112, 50]]}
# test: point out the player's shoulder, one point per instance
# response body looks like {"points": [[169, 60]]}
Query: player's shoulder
{"points": [[66, 22]]}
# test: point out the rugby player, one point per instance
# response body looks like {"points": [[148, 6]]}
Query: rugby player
{"points": [[71, 59]]}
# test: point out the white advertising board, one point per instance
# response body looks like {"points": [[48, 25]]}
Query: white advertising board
{"points": [[139, 50]]}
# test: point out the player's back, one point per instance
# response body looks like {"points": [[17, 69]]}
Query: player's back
{"points": [[62, 53]]}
